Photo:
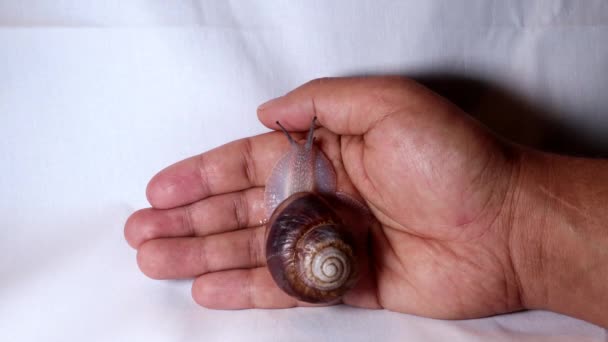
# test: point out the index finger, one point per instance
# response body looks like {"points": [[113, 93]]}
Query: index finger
{"points": [[238, 165]]}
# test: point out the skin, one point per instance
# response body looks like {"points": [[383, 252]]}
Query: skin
{"points": [[468, 225]]}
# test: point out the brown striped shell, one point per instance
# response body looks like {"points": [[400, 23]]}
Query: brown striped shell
{"points": [[309, 251]]}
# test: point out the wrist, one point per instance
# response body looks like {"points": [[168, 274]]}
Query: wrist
{"points": [[558, 239], [528, 220]]}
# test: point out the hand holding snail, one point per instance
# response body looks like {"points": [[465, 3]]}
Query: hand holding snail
{"points": [[440, 185]]}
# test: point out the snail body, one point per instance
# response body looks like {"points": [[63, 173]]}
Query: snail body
{"points": [[310, 249]]}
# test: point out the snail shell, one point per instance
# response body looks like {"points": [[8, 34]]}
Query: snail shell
{"points": [[310, 250]]}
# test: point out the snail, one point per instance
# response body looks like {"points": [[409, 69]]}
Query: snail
{"points": [[311, 234]]}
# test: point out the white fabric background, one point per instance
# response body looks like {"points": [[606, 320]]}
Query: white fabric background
{"points": [[96, 96]]}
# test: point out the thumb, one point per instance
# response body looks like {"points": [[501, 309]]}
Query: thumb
{"points": [[345, 106]]}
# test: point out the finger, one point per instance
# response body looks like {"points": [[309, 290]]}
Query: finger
{"points": [[232, 167], [347, 106], [216, 214], [241, 289], [190, 257]]}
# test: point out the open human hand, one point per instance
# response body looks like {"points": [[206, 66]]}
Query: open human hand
{"points": [[439, 184]]}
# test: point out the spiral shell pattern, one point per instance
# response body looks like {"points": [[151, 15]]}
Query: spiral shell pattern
{"points": [[329, 267], [326, 260]]}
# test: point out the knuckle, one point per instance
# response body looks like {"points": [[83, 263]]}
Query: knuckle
{"points": [[250, 292], [203, 256], [247, 161], [240, 211], [202, 167], [187, 220], [253, 247]]}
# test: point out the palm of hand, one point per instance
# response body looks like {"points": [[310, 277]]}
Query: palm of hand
{"points": [[441, 250]]}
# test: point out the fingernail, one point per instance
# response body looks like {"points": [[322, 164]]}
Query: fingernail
{"points": [[268, 104]]}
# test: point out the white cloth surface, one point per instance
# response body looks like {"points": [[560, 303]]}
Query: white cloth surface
{"points": [[96, 96]]}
